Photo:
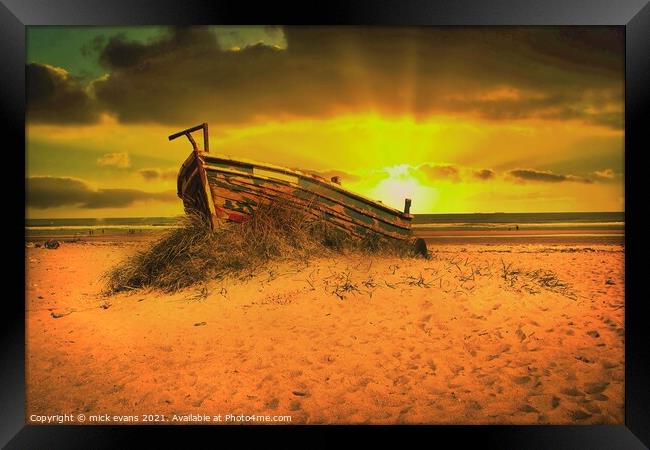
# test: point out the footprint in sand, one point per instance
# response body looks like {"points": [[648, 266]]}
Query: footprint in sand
{"points": [[520, 335], [579, 415], [456, 370], [401, 380], [555, 402], [473, 405], [528, 409], [403, 412], [295, 405], [609, 364], [584, 359], [593, 409], [596, 388], [572, 392], [521, 380]]}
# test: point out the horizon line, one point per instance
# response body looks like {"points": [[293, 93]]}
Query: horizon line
{"points": [[414, 214]]}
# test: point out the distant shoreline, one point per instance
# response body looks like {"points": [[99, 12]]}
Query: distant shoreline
{"points": [[432, 236], [484, 228]]}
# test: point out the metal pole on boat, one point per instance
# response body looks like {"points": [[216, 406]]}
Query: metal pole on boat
{"points": [[407, 206], [206, 144]]}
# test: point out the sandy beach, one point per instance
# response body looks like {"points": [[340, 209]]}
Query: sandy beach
{"points": [[519, 333]]}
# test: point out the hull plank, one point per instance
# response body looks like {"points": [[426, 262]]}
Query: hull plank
{"points": [[242, 196]]}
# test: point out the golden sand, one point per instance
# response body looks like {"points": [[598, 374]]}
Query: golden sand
{"points": [[479, 334]]}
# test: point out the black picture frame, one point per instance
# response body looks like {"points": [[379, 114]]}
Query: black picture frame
{"points": [[634, 15]]}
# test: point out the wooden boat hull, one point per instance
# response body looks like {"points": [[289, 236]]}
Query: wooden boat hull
{"points": [[237, 187]]}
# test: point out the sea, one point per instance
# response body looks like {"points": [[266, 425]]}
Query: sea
{"points": [[519, 228], [614, 221], [525, 221], [98, 226]]}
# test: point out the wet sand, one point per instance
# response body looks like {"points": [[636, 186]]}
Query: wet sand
{"points": [[525, 333]]}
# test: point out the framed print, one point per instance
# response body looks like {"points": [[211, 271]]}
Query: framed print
{"points": [[420, 214]]}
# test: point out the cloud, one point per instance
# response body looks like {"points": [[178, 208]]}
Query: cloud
{"points": [[120, 160], [484, 174], [441, 172], [54, 96], [51, 192], [119, 53], [158, 174], [344, 176], [185, 76], [546, 176], [607, 174]]}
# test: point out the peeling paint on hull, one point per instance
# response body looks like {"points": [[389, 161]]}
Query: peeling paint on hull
{"points": [[238, 187]]}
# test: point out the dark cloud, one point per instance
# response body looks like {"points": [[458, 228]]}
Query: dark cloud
{"points": [[441, 172], [149, 174], [484, 174], [314, 76], [54, 96], [498, 73], [52, 192], [119, 53], [158, 174], [546, 177], [588, 48]]}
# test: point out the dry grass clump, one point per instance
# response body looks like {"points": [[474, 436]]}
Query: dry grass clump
{"points": [[532, 280], [193, 253]]}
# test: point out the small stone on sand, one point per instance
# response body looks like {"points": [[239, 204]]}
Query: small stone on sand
{"points": [[51, 244]]}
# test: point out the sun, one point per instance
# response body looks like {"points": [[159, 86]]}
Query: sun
{"points": [[400, 185]]}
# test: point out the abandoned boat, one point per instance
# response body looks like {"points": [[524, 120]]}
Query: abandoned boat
{"points": [[230, 189]]}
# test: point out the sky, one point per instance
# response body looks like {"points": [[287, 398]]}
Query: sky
{"points": [[460, 120]]}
